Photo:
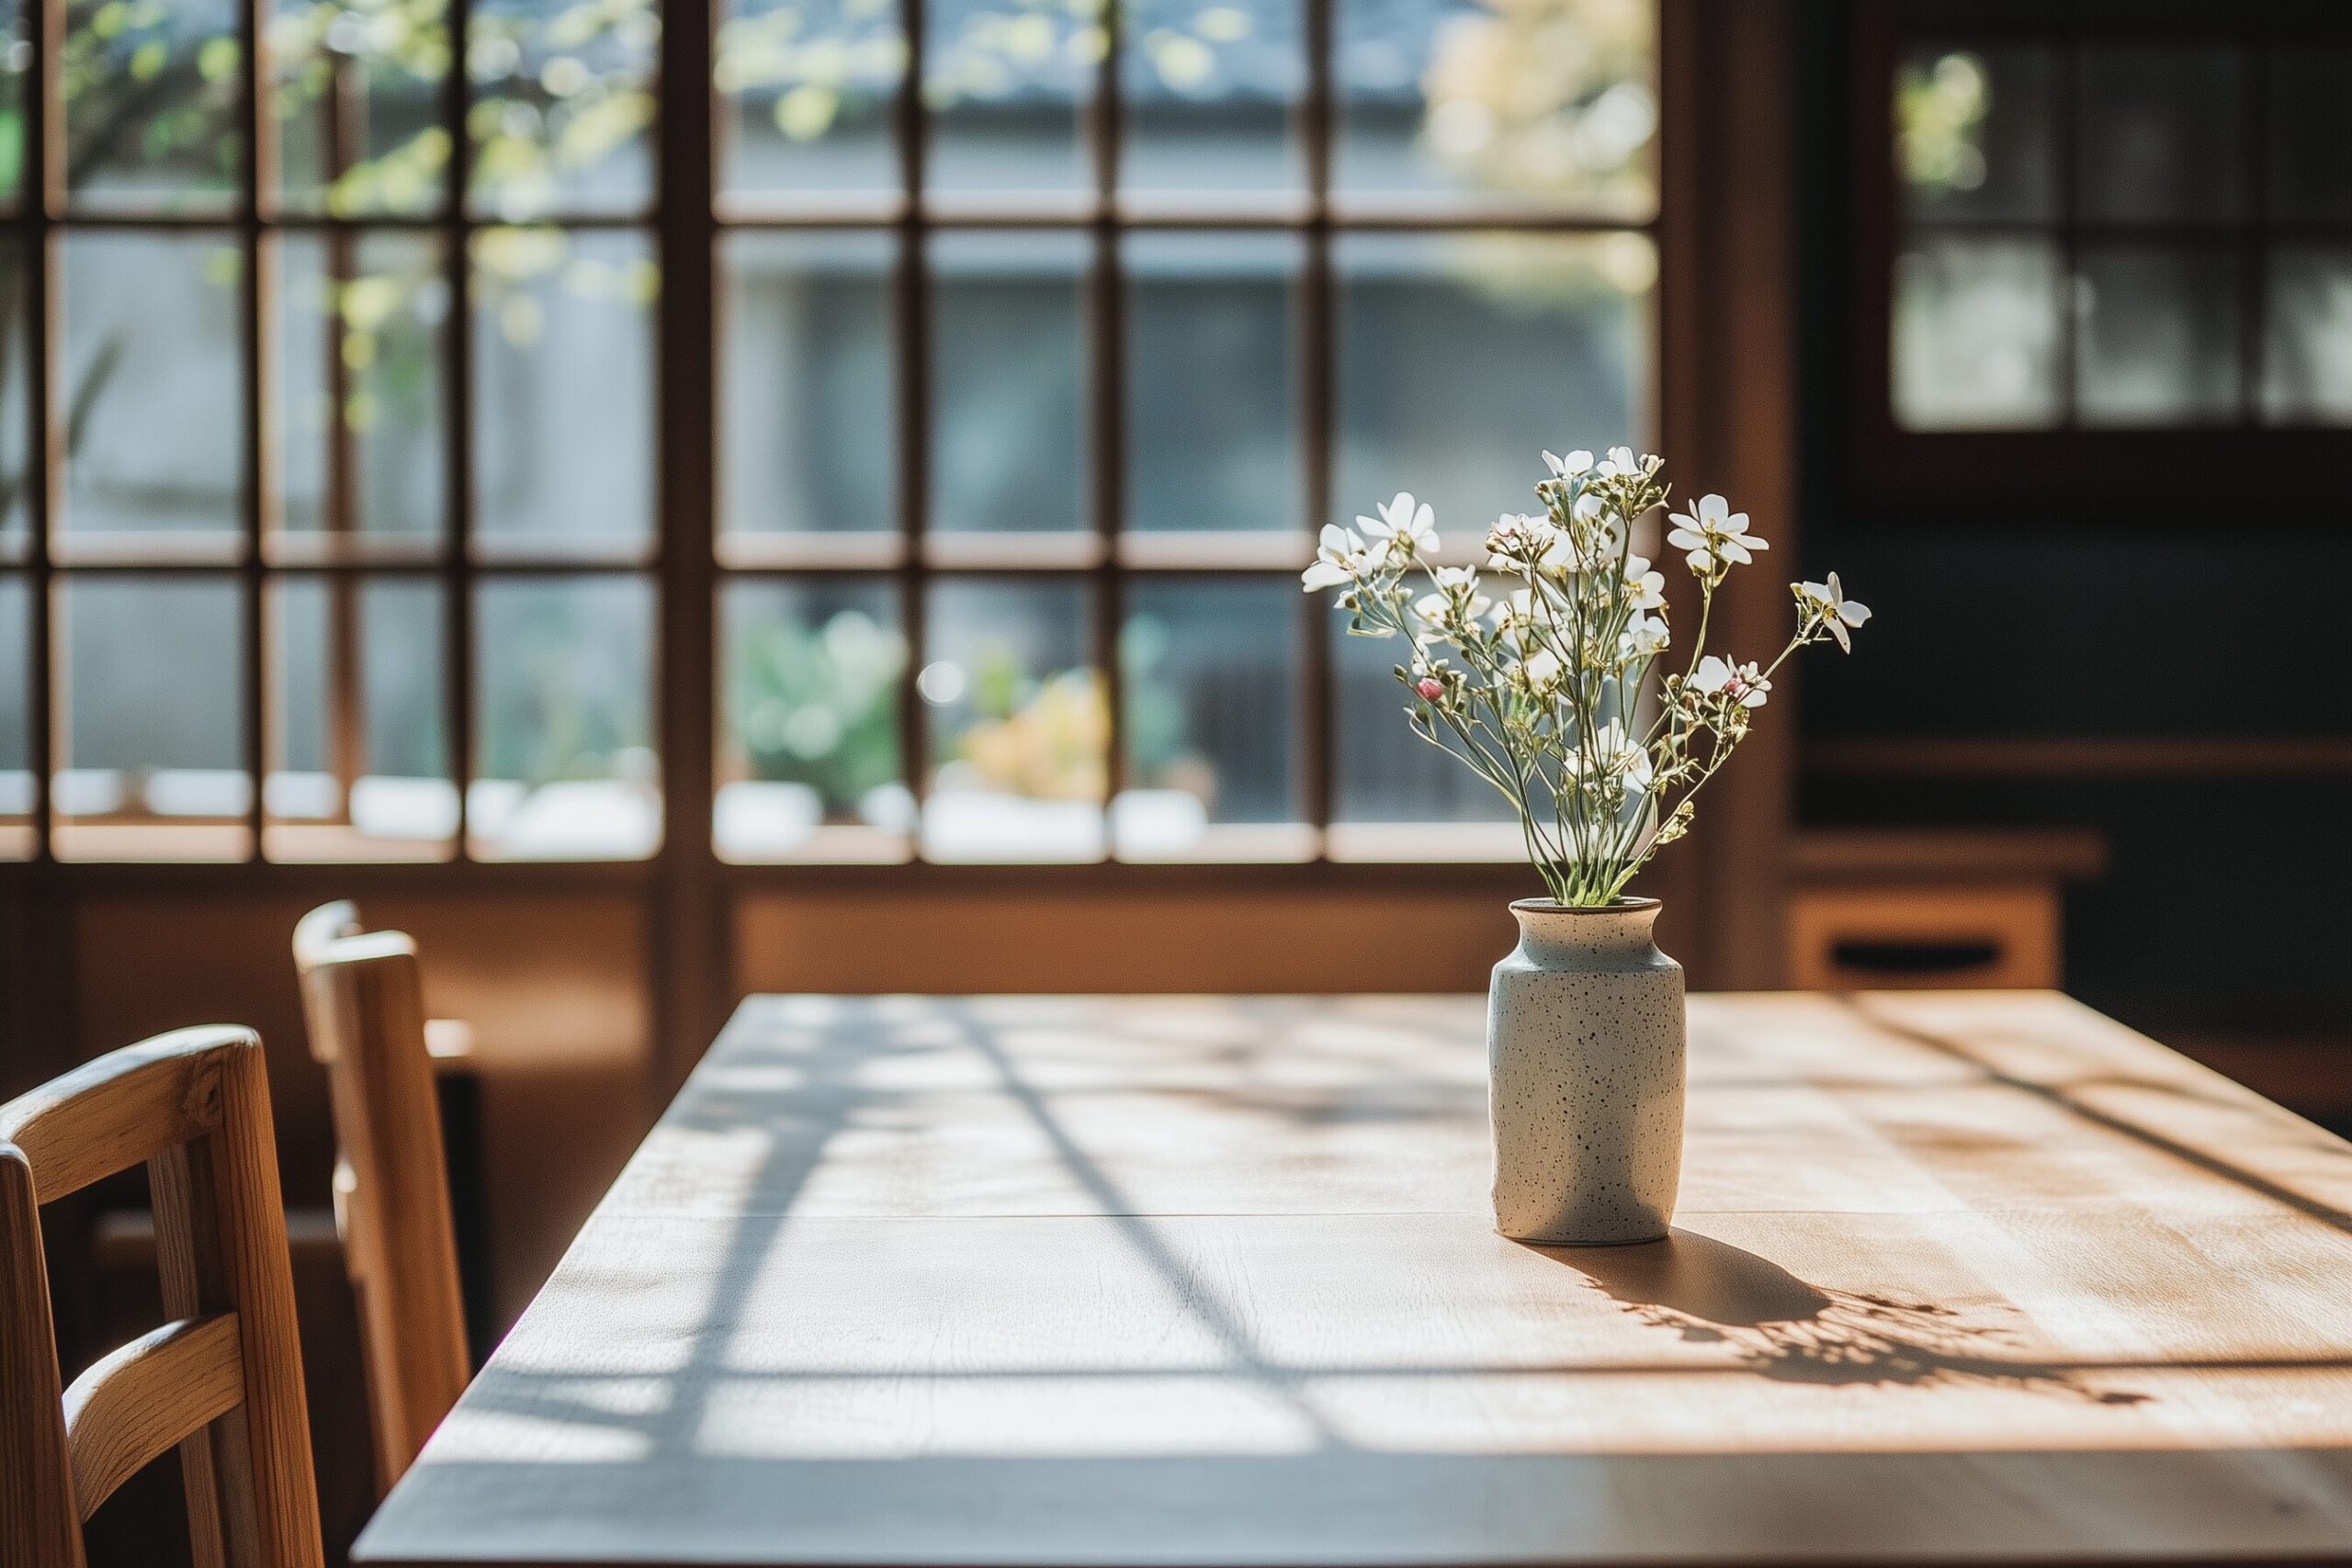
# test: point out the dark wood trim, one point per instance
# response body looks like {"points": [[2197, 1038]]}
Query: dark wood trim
{"points": [[458, 433], [257, 300], [1728, 334], [690, 957], [2083, 757], [36, 194]]}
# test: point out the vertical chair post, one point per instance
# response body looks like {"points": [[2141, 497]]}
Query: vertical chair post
{"points": [[34, 1463]]}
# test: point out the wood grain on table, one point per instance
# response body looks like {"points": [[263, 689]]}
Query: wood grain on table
{"points": [[1191, 1280]]}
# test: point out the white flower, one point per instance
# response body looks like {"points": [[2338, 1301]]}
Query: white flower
{"points": [[1619, 464], [1644, 589], [1716, 534], [1645, 636], [1456, 599], [1519, 623], [1564, 554], [1576, 465], [1741, 683], [1837, 611], [1403, 527], [1616, 759], [1541, 668], [1339, 555], [1514, 536]]}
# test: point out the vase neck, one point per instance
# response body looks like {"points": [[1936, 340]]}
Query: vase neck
{"points": [[1550, 932]]}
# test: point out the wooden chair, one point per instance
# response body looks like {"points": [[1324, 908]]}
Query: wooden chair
{"points": [[222, 1380], [365, 1007]]}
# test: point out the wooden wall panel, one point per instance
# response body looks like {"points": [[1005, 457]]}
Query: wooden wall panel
{"points": [[1181, 939], [556, 986], [143, 962]]}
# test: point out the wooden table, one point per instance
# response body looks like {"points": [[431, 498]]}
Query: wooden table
{"points": [[1064, 1281]]}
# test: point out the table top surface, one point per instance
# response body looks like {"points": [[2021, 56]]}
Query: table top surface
{"points": [[1200, 1281]]}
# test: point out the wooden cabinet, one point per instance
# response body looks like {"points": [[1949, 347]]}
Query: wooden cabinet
{"points": [[1877, 910]]}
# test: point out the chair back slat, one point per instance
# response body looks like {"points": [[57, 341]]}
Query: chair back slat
{"points": [[188, 1263], [195, 1106], [363, 999], [139, 1402], [118, 1111]]}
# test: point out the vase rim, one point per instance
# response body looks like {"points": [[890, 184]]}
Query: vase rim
{"points": [[1619, 905]]}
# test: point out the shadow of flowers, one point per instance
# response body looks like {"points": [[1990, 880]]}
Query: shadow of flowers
{"points": [[1709, 1291]]}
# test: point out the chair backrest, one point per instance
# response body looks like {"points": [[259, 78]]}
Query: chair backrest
{"points": [[222, 1380], [364, 1005]]}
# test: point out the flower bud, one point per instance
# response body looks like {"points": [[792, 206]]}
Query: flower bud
{"points": [[1430, 687]]}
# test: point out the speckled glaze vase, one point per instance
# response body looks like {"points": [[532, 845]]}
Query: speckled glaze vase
{"points": [[1584, 1052]]}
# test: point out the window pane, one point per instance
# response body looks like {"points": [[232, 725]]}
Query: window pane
{"points": [[2158, 336], [2307, 360], [151, 92], [1976, 333], [562, 103], [1018, 725], [16, 88], [805, 90], [362, 439], [16, 716], [150, 407], [1553, 104], [2309, 175], [1976, 133], [1209, 92], [1004, 81], [1008, 372], [1460, 358], [15, 395], [358, 97], [2159, 131], [1383, 773], [563, 720], [153, 763], [360, 763], [563, 403], [808, 389], [809, 726], [1209, 676], [1212, 394]]}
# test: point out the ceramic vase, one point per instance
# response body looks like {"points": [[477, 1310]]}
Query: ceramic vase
{"points": [[1584, 1050]]}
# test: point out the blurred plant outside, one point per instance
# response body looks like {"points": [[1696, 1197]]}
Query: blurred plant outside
{"points": [[1940, 119]]}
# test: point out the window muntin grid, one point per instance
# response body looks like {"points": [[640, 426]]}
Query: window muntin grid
{"points": [[277, 568], [2128, 227], [333, 528], [1034, 475]]}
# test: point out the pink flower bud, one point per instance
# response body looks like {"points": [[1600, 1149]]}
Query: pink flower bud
{"points": [[1430, 687]]}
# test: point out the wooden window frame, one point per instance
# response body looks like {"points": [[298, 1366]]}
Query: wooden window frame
{"points": [[1724, 310], [2140, 476], [686, 557]]}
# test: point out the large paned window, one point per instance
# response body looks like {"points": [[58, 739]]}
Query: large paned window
{"points": [[2093, 227], [1042, 336]]}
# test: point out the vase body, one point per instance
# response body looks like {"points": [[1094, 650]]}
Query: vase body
{"points": [[1584, 1053]]}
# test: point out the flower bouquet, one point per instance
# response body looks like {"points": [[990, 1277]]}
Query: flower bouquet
{"points": [[1550, 678], [1539, 682]]}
